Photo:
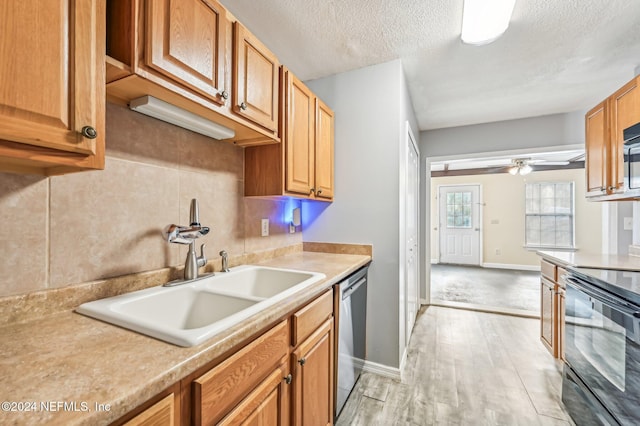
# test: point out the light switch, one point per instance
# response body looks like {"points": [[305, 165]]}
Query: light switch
{"points": [[628, 224], [265, 227]]}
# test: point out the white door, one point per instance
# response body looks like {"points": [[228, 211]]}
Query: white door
{"points": [[412, 290], [459, 224]]}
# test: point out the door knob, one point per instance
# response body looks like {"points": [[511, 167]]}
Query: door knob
{"points": [[89, 132]]}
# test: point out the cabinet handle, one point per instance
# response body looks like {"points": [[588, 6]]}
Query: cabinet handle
{"points": [[243, 106], [302, 361], [89, 132], [604, 188], [224, 94], [319, 191], [312, 190], [288, 379]]}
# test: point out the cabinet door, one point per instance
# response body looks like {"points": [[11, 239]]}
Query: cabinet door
{"points": [[547, 314], [267, 405], [324, 151], [560, 317], [255, 82], [625, 112], [597, 135], [52, 73], [185, 41], [299, 128], [313, 378]]}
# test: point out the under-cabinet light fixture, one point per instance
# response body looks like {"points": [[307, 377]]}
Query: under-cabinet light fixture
{"points": [[484, 21], [148, 105]]}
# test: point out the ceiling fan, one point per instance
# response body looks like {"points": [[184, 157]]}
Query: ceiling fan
{"points": [[522, 166]]}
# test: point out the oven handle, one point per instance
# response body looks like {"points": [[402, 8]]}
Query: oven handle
{"points": [[612, 301]]}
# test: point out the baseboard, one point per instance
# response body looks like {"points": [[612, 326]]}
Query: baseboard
{"points": [[382, 370], [403, 360], [512, 266], [423, 302], [434, 261]]}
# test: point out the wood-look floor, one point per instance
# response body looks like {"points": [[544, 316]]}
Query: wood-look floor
{"points": [[465, 368]]}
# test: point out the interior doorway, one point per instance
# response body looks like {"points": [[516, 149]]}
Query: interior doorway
{"points": [[459, 224]]}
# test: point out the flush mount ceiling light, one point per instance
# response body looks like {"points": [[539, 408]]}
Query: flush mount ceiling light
{"points": [[483, 21], [520, 167], [148, 105]]}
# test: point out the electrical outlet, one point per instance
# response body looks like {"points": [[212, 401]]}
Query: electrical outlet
{"points": [[265, 227], [498, 252], [628, 224]]}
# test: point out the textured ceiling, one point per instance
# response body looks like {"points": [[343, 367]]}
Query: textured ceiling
{"points": [[557, 55]]}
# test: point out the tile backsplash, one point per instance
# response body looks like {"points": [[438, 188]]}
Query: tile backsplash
{"points": [[85, 226]]}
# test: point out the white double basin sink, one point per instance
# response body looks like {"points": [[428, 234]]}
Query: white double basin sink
{"points": [[189, 314]]}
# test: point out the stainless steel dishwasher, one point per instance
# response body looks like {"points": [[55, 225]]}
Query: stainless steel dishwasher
{"points": [[352, 334]]}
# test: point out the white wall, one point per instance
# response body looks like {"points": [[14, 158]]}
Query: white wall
{"points": [[370, 107], [533, 132]]}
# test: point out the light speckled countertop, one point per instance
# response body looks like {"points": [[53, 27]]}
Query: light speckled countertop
{"points": [[71, 358], [592, 260]]}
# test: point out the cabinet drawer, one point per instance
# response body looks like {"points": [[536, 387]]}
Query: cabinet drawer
{"points": [[548, 270], [307, 319], [222, 387], [161, 413]]}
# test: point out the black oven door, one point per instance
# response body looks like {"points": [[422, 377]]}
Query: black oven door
{"points": [[602, 347]]}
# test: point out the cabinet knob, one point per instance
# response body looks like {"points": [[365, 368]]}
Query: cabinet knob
{"points": [[243, 106], [319, 191], [603, 188], [288, 379], [612, 188], [312, 190], [302, 361], [89, 132], [224, 94]]}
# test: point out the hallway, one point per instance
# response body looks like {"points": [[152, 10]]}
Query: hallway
{"points": [[465, 368]]}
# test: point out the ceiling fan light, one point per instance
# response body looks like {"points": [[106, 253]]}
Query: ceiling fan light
{"points": [[514, 170], [525, 170], [484, 21]]}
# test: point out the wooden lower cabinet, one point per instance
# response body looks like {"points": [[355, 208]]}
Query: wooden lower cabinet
{"points": [[560, 313], [313, 378], [552, 308], [284, 376], [547, 314], [267, 405], [162, 410]]}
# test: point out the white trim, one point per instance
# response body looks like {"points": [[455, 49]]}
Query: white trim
{"points": [[424, 302], [434, 261], [509, 153], [382, 370], [403, 360], [512, 266]]}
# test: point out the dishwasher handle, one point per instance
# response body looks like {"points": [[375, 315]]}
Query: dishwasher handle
{"points": [[348, 291]]}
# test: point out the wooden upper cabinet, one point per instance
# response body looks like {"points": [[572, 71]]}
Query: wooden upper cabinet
{"points": [[604, 141], [303, 164], [300, 133], [596, 147], [324, 151], [256, 79], [186, 41], [625, 112], [52, 68]]}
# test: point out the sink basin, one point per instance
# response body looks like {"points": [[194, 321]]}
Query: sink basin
{"points": [[189, 314]]}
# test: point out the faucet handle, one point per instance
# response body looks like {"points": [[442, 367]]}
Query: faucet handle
{"points": [[202, 259]]}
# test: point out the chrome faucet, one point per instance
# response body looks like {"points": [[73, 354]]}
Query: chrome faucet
{"points": [[187, 235], [225, 261]]}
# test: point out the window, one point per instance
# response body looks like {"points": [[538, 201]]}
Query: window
{"points": [[549, 215], [459, 209]]}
